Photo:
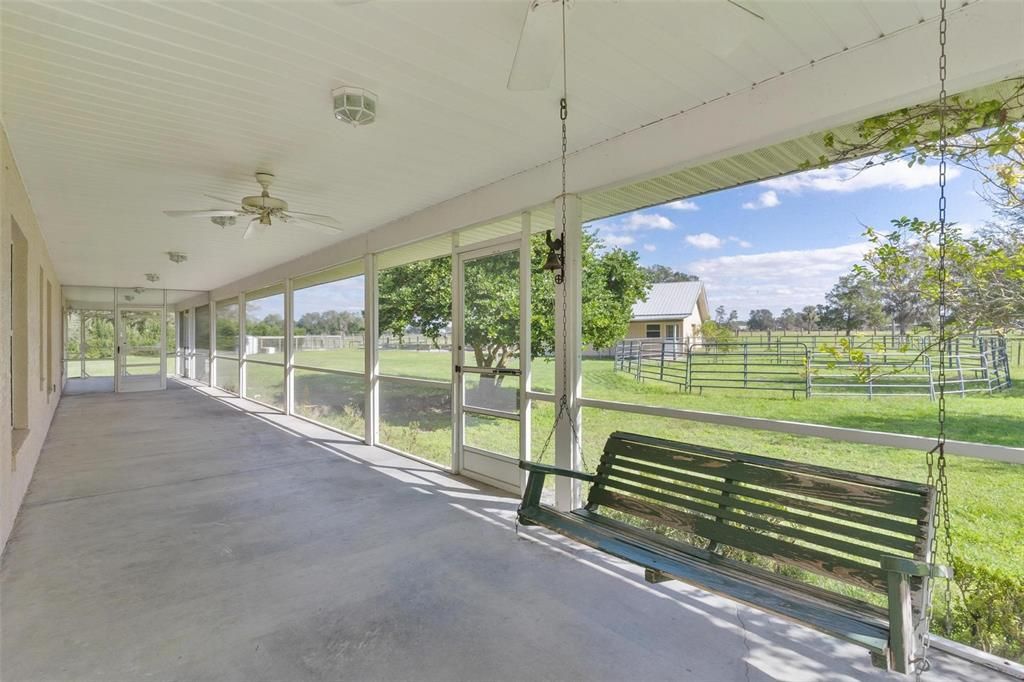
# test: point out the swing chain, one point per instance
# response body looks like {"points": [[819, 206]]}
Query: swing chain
{"points": [[936, 457], [563, 402]]}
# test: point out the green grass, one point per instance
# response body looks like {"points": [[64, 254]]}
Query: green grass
{"points": [[988, 519]]}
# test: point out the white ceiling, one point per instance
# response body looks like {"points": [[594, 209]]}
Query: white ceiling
{"points": [[118, 111]]}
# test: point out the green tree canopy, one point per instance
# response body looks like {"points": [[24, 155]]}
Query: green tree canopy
{"points": [[852, 304], [418, 295]]}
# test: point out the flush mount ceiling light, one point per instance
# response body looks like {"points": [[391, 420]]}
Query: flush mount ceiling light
{"points": [[152, 277], [357, 106], [177, 256]]}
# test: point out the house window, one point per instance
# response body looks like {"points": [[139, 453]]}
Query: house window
{"points": [[670, 331], [654, 331]]}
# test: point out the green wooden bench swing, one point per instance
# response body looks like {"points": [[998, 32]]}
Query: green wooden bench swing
{"points": [[708, 517]]}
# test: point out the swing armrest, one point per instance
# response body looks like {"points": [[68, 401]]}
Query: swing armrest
{"points": [[556, 471], [912, 567]]}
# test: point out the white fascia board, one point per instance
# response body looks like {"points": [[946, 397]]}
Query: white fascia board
{"points": [[897, 70]]}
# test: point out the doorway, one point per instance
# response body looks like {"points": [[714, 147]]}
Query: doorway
{"points": [[487, 366], [140, 349]]}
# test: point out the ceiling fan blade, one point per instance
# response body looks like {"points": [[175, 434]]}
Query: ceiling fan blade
{"points": [[315, 217], [316, 225], [211, 213], [226, 201], [539, 44], [253, 229]]}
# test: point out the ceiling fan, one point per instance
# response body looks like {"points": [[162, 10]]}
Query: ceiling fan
{"points": [[260, 211], [540, 40]]}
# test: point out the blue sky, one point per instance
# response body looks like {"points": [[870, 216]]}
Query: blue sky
{"points": [[784, 242], [774, 244]]}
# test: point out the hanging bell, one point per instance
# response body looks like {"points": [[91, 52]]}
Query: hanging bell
{"points": [[556, 257]]}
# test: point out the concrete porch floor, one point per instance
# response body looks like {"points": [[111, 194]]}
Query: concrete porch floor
{"points": [[191, 535]]}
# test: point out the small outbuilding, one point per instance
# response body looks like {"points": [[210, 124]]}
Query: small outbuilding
{"points": [[673, 310]]}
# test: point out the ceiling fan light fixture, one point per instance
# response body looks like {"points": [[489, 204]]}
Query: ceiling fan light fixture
{"points": [[357, 106]]}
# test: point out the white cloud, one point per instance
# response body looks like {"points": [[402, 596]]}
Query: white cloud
{"points": [[704, 240], [646, 221], [650, 248], [776, 279], [742, 243], [767, 199], [846, 178], [613, 240], [683, 205]]}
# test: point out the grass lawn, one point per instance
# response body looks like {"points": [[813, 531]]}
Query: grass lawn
{"points": [[988, 519]]}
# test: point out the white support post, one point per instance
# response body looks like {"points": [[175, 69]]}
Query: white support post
{"points": [[241, 345], [371, 410], [289, 372], [568, 343], [525, 355], [163, 341], [213, 342], [458, 337]]}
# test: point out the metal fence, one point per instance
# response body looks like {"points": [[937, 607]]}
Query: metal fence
{"points": [[698, 365], [973, 365]]}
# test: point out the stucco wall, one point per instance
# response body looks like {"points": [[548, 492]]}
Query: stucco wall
{"points": [[684, 326], [16, 470]]}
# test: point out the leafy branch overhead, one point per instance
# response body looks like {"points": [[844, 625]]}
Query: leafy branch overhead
{"points": [[985, 136]]}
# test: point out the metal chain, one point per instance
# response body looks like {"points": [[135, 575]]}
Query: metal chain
{"points": [[936, 457], [563, 402]]}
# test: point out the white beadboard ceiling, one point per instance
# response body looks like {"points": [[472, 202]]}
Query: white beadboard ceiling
{"points": [[117, 111]]}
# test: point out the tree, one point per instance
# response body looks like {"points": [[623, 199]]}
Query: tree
{"points": [[984, 273], [788, 320], [760, 320], [809, 318], [715, 333], [419, 295], [852, 304], [662, 273], [271, 325], [897, 264]]}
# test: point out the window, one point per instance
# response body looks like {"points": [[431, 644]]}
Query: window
{"points": [[414, 350], [226, 350], [264, 346], [42, 329], [48, 358], [19, 375], [329, 381], [202, 343], [654, 331]]}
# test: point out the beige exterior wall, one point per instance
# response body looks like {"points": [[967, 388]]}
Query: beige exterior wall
{"points": [[684, 326], [39, 341]]}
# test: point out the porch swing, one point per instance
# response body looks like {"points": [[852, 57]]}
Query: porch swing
{"points": [[687, 502]]}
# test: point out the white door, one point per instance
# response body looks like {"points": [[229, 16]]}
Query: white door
{"points": [[487, 365], [141, 335]]}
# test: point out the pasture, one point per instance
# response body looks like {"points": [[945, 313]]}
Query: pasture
{"points": [[988, 520]]}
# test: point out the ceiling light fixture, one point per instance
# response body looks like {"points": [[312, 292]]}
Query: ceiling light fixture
{"points": [[357, 106], [177, 256]]}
